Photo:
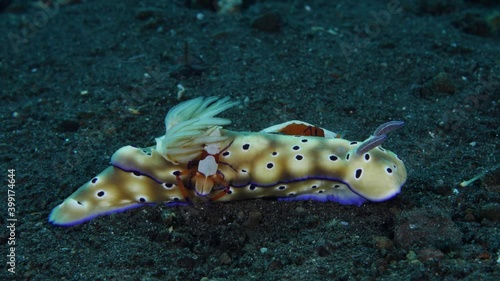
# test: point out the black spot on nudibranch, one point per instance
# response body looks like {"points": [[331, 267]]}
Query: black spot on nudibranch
{"points": [[100, 193], [142, 200], [167, 185], [296, 147], [304, 140], [243, 170], [353, 143], [251, 187], [347, 156], [299, 157], [334, 158], [137, 174], [79, 203], [314, 186], [270, 165], [246, 146], [226, 153], [336, 186], [94, 180], [358, 173], [229, 192], [274, 153], [321, 191], [367, 156], [389, 170], [281, 187]]}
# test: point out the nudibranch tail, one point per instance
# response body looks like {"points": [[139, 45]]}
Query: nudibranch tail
{"points": [[113, 190]]}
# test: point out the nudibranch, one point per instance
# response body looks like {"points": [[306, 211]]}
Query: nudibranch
{"points": [[198, 161]]}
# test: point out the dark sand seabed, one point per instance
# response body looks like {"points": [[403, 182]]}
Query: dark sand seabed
{"points": [[81, 79]]}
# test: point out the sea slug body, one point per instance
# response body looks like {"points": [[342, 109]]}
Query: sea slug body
{"points": [[198, 161]]}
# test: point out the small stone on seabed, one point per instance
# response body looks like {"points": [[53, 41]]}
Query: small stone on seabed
{"points": [[411, 256], [145, 13], [383, 242], [490, 211], [270, 22], [300, 209], [225, 258], [429, 254], [263, 250], [253, 219]]}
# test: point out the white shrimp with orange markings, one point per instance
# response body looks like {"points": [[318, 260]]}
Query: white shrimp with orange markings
{"points": [[205, 174]]}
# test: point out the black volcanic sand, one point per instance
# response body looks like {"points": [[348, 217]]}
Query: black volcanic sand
{"points": [[81, 79]]}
